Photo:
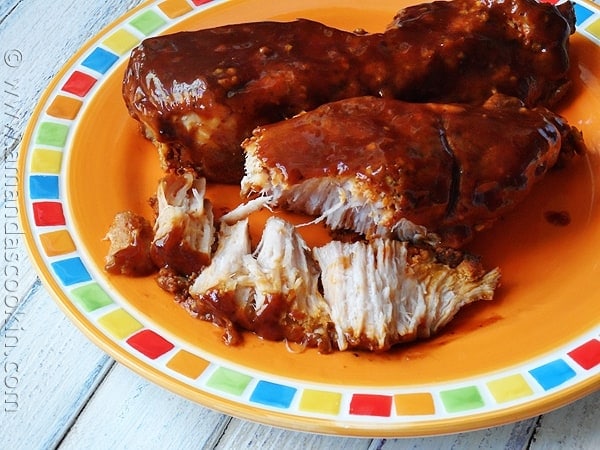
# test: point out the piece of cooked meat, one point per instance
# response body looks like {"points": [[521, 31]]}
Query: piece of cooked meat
{"points": [[379, 166], [199, 94], [130, 237], [273, 292], [385, 292], [375, 294], [517, 48], [184, 229], [219, 294]]}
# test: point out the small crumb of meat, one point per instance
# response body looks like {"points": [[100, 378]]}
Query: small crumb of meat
{"points": [[130, 236], [173, 283], [558, 218]]}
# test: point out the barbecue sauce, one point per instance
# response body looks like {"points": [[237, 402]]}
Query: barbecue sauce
{"points": [[199, 94], [450, 168]]}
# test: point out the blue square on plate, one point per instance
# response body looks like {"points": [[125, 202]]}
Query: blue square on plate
{"points": [[582, 13], [43, 187], [100, 60], [552, 374], [272, 394], [71, 271]]}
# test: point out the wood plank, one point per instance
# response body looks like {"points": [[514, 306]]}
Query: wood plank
{"points": [[244, 434], [241, 434], [142, 415], [576, 426], [509, 437]]}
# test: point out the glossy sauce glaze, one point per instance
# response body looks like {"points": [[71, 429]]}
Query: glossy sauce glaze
{"points": [[199, 94], [451, 168]]}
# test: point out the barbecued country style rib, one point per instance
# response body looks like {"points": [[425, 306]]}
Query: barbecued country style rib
{"points": [[376, 165], [199, 94]]}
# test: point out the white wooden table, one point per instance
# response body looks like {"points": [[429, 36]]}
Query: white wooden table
{"points": [[59, 391]]}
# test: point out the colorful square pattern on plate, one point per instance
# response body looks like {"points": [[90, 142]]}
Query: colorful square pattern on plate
{"points": [[47, 214], [79, 84], [57, 243], [320, 402], [100, 60], [150, 344], [91, 297], [46, 161], [43, 177], [148, 22], [43, 187], [187, 364], [64, 107], [371, 405], [587, 355], [52, 133], [175, 8], [273, 394], [510, 388], [229, 381], [414, 404]]}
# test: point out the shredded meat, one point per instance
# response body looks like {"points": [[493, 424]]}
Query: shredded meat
{"points": [[184, 230], [344, 295], [273, 292], [199, 94], [379, 296], [374, 294]]}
